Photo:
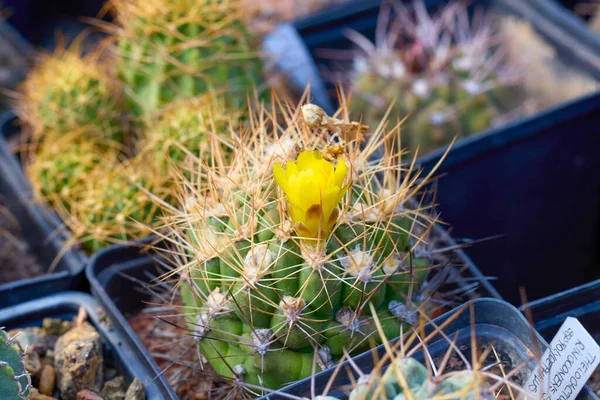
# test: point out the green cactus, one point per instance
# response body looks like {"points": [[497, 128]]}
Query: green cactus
{"points": [[272, 284], [189, 127], [177, 49], [448, 79], [116, 204], [15, 381], [67, 92], [60, 167]]}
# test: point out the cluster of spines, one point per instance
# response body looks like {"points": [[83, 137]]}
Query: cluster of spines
{"points": [[263, 299], [446, 75]]}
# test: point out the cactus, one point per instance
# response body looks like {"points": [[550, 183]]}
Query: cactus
{"points": [[176, 49], [116, 205], [60, 167], [68, 92], [446, 75], [182, 131], [272, 279], [15, 381], [397, 374]]}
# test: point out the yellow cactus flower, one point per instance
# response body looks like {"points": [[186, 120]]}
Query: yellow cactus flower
{"points": [[313, 187]]}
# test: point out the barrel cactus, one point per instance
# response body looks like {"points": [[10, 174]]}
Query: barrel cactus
{"points": [[446, 75], [176, 49], [68, 92], [280, 251], [15, 381]]}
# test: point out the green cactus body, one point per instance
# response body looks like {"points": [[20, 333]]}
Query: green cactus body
{"points": [[443, 89], [187, 129], [60, 168], [176, 50], [15, 381], [67, 93], [116, 205], [269, 298]]}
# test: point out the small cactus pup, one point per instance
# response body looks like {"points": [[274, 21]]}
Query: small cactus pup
{"points": [[15, 381], [446, 75], [115, 205], [175, 50], [280, 251], [66, 91]]}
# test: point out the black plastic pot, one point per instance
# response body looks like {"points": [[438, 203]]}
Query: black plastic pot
{"points": [[582, 302], [536, 182], [495, 323], [127, 360], [116, 275], [37, 232]]}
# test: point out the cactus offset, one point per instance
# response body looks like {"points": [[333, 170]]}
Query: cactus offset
{"points": [[272, 280], [15, 381], [67, 92], [447, 75], [176, 49]]}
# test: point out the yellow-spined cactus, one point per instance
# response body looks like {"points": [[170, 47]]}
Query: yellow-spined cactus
{"points": [[188, 128], [280, 252], [117, 204], [66, 91]]}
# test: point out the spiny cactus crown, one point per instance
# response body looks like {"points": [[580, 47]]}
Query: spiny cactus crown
{"points": [[68, 92], [15, 381], [280, 251], [447, 75]]}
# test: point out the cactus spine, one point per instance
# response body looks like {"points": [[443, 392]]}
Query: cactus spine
{"points": [[446, 75], [273, 280], [178, 49], [15, 381]]}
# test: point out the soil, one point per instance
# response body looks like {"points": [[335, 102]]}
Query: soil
{"points": [[67, 360], [177, 358], [16, 260]]}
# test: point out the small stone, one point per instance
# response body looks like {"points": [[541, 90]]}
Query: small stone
{"points": [[87, 395], [33, 363], [110, 374], [114, 389], [49, 358], [136, 391], [54, 326], [78, 361], [35, 395], [47, 380]]}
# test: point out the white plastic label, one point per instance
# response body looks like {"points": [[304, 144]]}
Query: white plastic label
{"points": [[565, 366]]}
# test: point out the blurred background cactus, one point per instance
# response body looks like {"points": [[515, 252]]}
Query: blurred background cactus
{"points": [[15, 381], [274, 281], [66, 92], [174, 50], [108, 125], [445, 73]]}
